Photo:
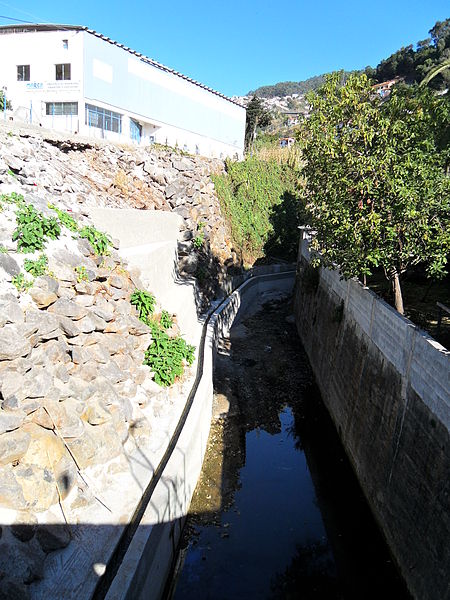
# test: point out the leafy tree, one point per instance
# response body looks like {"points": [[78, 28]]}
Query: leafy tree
{"points": [[377, 191], [2, 101], [257, 116], [413, 65]]}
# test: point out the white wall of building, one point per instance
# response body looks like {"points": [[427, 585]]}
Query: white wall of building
{"points": [[135, 93], [42, 51]]}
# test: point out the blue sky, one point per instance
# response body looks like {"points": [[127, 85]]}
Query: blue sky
{"points": [[234, 46]]}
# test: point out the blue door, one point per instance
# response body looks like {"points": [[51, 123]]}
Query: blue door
{"points": [[135, 130]]}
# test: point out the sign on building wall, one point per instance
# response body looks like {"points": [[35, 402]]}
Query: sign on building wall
{"points": [[53, 86]]}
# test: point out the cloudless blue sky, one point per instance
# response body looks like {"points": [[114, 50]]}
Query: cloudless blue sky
{"points": [[238, 45]]}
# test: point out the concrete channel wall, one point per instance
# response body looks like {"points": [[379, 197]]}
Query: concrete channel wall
{"points": [[386, 385], [148, 240], [148, 561]]}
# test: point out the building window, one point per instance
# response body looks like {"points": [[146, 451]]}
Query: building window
{"points": [[135, 130], [103, 118], [61, 108], [23, 72], [62, 72], [65, 44]]}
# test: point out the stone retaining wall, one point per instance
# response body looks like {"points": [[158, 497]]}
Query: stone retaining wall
{"points": [[386, 385]]}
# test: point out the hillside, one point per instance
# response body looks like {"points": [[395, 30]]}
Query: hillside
{"points": [[411, 63], [290, 88]]}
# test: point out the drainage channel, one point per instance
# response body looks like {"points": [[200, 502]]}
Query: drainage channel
{"points": [[277, 512]]}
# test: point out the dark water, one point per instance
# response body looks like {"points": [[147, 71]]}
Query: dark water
{"points": [[292, 521]]}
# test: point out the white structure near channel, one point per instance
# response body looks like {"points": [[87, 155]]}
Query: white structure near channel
{"points": [[71, 78]]}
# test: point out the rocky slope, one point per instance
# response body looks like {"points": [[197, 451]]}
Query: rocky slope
{"points": [[76, 404], [84, 173]]}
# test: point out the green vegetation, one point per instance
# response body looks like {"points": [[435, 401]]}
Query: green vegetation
{"points": [[81, 273], [100, 241], [166, 320], [2, 101], [12, 198], [259, 199], [36, 267], [33, 229], [65, 218], [21, 284], [257, 118], [287, 88], [166, 356], [377, 192], [3, 249], [199, 239], [145, 304], [414, 64]]}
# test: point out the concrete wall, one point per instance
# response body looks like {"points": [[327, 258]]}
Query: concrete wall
{"points": [[183, 112], [148, 240], [386, 385], [147, 563], [42, 51]]}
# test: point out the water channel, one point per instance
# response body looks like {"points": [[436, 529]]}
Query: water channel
{"points": [[278, 512]]}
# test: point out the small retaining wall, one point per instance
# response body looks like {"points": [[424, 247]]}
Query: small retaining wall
{"points": [[386, 385]]}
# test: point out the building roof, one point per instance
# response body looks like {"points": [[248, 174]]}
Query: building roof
{"points": [[26, 27]]}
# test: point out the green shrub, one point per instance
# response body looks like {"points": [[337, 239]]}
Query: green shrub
{"points": [[251, 194], [33, 229], [166, 320], [144, 302], [65, 218], [21, 283], [100, 241], [166, 356], [36, 267]]}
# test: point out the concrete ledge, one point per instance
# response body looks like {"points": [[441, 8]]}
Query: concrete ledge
{"points": [[148, 560]]}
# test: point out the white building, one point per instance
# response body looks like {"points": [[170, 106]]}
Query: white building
{"points": [[71, 78]]}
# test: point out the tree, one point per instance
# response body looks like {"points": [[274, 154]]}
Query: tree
{"points": [[435, 71], [2, 101], [377, 191], [257, 116]]}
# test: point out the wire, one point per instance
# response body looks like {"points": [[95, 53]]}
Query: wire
{"points": [[12, 19]]}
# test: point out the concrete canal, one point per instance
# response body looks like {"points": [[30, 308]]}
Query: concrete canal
{"points": [[277, 512]]}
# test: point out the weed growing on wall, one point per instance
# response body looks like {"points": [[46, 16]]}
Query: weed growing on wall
{"points": [[81, 273], [36, 267], [144, 302], [100, 242], [166, 320], [166, 356], [20, 283], [65, 218], [33, 229]]}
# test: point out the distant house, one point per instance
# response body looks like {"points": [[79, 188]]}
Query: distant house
{"points": [[292, 119], [71, 78], [286, 142], [384, 89]]}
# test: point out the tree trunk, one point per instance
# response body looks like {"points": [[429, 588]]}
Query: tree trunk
{"points": [[398, 299]]}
